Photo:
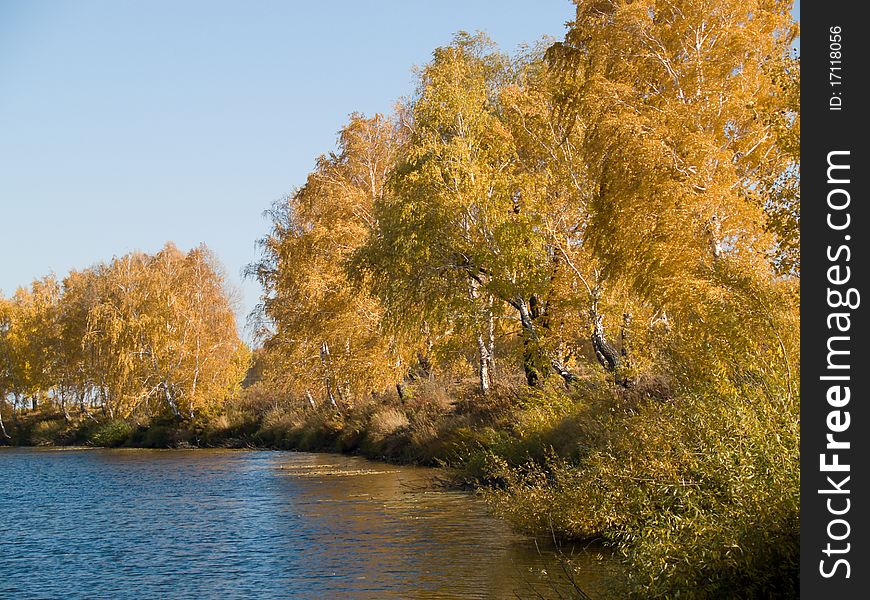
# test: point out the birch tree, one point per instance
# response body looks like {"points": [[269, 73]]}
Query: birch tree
{"points": [[327, 328]]}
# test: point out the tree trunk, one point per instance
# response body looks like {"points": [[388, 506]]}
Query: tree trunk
{"points": [[530, 368], [484, 354], [104, 404], [714, 230], [83, 405], [15, 401], [63, 405], [170, 400], [400, 390], [326, 363], [483, 365], [531, 352], [626, 379], [490, 342], [2, 425], [605, 352], [559, 366]]}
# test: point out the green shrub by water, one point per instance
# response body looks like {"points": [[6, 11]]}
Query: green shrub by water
{"points": [[112, 434], [700, 495]]}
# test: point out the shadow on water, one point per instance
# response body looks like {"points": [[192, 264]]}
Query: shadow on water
{"points": [[218, 523]]}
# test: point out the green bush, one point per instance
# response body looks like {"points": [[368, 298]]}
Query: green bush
{"points": [[112, 434], [700, 496]]}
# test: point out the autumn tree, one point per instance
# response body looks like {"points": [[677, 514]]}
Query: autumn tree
{"points": [[629, 200], [31, 337], [163, 334], [7, 363], [553, 182], [684, 115], [81, 291], [189, 352], [138, 336], [677, 104], [326, 323], [458, 241]]}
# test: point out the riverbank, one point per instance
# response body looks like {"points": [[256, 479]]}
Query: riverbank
{"points": [[697, 493], [425, 429]]}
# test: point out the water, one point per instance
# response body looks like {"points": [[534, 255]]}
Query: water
{"points": [[236, 524]]}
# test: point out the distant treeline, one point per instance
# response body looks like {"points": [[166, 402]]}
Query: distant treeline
{"points": [[138, 336]]}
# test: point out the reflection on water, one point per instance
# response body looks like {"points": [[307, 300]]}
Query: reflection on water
{"points": [[234, 524]]}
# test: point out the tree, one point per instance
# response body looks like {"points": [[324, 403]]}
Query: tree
{"points": [[554, 183], [324, 321], [31, 337], [7, 365], [451, 247], [678, 136], [191, 354], [163, 334], [139, 335], [80, 297]]}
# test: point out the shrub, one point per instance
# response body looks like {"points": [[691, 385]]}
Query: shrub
{"points": [[386, 422], [159, 435], [701, 496], [112, 434]]}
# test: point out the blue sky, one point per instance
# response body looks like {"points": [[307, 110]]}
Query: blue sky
{"points": [[124, 125], [127, 124]]}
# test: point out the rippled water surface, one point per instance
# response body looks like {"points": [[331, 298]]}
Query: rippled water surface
{"points": [[237, 524]]}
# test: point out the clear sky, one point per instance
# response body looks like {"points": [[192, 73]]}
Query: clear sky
{"points": [[124, 125], [127, 124]]}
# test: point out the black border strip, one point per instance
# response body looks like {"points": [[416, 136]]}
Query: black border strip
{"points": [[833, 108]]}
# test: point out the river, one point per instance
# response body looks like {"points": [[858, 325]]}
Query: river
{"points": [[94, 523]]}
